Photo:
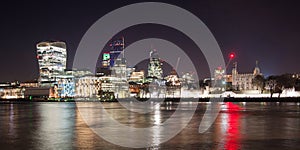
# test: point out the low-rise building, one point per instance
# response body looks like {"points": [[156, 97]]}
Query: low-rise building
{"points": [[88, 87], [65, 86], [11, 90], [243, 81]]}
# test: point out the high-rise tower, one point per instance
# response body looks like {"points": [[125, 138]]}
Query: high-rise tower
{"points": [[114, 60], [52, 58], [117, 59], [117, 51], [155, 65]]}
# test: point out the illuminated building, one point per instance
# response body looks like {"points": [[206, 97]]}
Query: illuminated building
{"points": [[29, 84], [155, 77], [117, 59], [104, 69], [244, 81], [173, 85], [137, 76], [219, 78], [113, 62], [129, 71], [52, 61], [173, 79], [116, 48], [114, 85], [78, 73], [65, 86], [188, 81], [105, 60], [154, 66], [11, 91], [119, 69], [88, 87], [135, 81], [228, 82]]}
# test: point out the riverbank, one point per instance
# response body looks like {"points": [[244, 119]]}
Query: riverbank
{"points": [[231, 99]]}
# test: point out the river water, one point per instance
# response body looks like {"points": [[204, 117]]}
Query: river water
{"points": [[59, 125]]}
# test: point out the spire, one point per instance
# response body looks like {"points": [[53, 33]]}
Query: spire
{"points": [[235, 65], [256, 69], [256, 64], [234, 69]]}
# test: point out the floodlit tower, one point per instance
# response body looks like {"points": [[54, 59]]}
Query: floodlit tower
{"points": [[234, 76], [256, 70], [52, 58], [155, 65]]}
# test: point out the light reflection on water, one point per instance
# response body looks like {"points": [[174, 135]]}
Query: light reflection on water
{"points": [[238, 126]]}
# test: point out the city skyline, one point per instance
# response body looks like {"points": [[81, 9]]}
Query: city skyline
{"points": [[181, 74], [254, 31]]}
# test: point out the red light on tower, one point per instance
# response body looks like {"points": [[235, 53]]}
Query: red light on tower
{"points": [[231, 55]]}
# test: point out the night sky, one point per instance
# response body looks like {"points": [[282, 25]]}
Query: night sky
{"points": [[266, 31]]}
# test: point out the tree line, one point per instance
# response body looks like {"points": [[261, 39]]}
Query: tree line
{"points": [[276, 83]]}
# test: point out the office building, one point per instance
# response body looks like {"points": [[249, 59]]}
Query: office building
{"points": [[88, 87], [155, 65], [65, 86], [52, 58]]}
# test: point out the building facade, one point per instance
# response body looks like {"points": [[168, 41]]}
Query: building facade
{"points": [[243, 81], [88, 87], [155, 65], [65, 86], [117, 51], [52, 58]]}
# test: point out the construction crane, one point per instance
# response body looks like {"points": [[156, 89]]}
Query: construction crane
{"points": [[178, 59]]}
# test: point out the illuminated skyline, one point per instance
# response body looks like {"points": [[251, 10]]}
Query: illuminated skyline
{"points": [[264, 31]]}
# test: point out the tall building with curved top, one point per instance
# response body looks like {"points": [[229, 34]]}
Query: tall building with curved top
{"points": [[52, 59]]}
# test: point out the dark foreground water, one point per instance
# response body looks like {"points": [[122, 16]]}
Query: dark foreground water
{"points": [[52, 125]]}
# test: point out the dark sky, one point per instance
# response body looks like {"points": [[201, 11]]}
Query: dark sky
{"points": [[267, 31]]}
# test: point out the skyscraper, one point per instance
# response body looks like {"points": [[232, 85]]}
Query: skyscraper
{"points": [[117, 59], [154, 66], [113, 62], [116, 51], [52, 58]]}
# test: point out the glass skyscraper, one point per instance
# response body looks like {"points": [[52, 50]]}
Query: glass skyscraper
{"points": [[52, 58], [155, 65], [116, 49]]}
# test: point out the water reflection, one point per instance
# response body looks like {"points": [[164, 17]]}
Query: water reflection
{"points": [[111, 121], [11, 123], [233, 127], [156, 131], [56, 125], [228, 126], [238, 126]]}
